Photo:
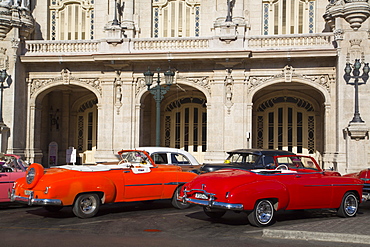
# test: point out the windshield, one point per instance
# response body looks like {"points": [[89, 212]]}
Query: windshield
{"points": [[242, 158], [135, 157], [298, 162]]}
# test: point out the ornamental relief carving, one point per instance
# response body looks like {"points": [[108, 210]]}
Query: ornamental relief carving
{"points": [[65, 78], [322, 80], [4, 59], [202, 81]]}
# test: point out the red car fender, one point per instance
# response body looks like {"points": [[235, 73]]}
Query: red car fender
{"points": [[250, 193], [103, 185]]}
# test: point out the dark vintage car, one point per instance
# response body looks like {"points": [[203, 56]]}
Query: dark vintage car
{"points": [[364, 175], [297, 183], [246, 159]]}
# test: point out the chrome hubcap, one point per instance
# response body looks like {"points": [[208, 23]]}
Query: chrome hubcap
{"points": [[88, 204], [264, 212], [351, 205]]}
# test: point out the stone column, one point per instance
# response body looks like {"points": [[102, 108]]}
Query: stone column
{"points": [[216, 119], [106, 111]]}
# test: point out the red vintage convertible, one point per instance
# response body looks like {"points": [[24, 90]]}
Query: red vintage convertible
{"points": [[296, 183]]}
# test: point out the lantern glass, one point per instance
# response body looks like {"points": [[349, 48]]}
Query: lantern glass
{"points": [[169, 76], [148, 77]]}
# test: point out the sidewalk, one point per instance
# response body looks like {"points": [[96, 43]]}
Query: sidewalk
{"points": [[345, 230]]}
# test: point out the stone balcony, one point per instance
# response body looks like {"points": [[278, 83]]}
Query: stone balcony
{"points": [[177, 48]]}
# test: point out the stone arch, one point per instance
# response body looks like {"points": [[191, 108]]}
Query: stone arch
{"points": [[289, 115], [42, 115], [196, 97], [324, 91]]}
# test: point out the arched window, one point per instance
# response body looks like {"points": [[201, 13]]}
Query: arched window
{"points": [[71, 20], [185, 125], [176, 18], [285, 123], [288, 16]]}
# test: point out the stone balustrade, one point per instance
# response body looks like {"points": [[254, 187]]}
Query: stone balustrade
{"points": [[278, 42], [44, 47], [323, 40]]}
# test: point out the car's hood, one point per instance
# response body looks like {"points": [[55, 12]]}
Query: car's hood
{"points": [[221, 181]]}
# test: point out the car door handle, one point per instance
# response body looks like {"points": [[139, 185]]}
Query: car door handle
{"points": [[126, 172], [297, 176]]}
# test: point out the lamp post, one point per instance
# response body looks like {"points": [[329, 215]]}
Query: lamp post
{"points": [[356, 75], [158, 92], [3, 76]]}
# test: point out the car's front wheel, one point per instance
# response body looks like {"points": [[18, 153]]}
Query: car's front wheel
{"points": [[349, 205], [262, 214], [86, 205], [214, 213], [179, 204]]}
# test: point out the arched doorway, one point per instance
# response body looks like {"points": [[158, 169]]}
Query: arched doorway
{"points": [[68, 118], [183, 120], [289, 120]]}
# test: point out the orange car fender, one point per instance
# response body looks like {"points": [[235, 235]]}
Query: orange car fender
{"points": [[250, 193], [38, 171], [68, 190]]}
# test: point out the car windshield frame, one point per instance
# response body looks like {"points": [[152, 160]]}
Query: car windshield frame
{"points": [[297, 162], [249, 158], [136, 156]]}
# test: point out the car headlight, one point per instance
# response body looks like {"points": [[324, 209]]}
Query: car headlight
{"points": [[30, 175]]}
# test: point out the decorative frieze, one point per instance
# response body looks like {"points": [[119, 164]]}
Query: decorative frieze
{"points": [[289, 74], [202, 81], [37, 84]]}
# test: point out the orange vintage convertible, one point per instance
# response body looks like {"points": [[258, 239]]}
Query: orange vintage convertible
{"points": [[85, 187]]}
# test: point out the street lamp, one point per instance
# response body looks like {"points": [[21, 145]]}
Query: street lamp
{"points": [[158, 92], [356, 75], [3, 76]]}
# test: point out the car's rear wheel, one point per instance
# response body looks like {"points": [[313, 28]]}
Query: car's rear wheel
{"points": [[179, 204], [86, 205], [262, 214], [53, 209], [349, 205], [214, 213]]}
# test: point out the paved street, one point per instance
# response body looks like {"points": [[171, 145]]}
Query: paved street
{"points": [[158, 224]]}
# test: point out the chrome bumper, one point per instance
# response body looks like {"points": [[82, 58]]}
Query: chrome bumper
{"points": [[211, 202], [33, 201]]}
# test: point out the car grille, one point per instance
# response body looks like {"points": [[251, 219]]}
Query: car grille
{"points": [[366, 187]]}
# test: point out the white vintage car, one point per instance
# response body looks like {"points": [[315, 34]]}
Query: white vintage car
{"points": [[173, 156]]}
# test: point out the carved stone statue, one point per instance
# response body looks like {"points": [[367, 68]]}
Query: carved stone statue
{"points": [[230, 6]]}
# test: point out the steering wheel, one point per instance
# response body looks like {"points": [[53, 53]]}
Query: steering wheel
{"points": [[282, 167]]}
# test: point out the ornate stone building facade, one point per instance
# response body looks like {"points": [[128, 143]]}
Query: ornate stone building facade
{"points": [[247, 74]]}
